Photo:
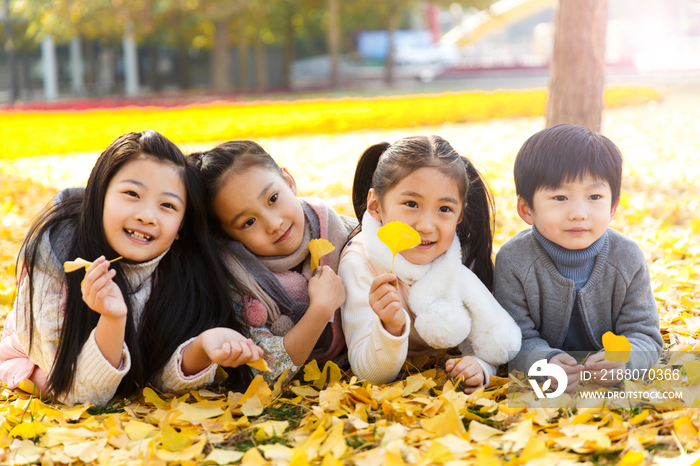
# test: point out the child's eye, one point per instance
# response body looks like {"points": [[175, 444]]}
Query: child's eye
{"points": [[445, 209], [272, 200], [596, 197], [131, 193], [248, 223], [559, 198], [411, 204], [168, 205]]}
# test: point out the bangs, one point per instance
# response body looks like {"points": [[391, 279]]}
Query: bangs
{"points": [[564, 154], [573, 162]]}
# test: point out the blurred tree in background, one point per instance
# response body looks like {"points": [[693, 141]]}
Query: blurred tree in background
{"points": [[234, 36]]}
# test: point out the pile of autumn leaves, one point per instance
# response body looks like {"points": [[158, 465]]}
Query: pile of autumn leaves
{"points": [[327, 417]]}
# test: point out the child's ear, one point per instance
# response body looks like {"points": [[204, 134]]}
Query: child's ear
{"points": [[525, 211], [290, 180], [373, 206], [614, 209]]}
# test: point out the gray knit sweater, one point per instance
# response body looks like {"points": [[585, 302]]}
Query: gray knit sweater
{"points": [[617, 297]]}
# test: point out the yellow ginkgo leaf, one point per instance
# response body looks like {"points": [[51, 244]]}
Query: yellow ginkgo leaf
{"points": [[28, 386], [617, 347], [79, 263], [398, 236], [172, 439], [72, 266], [319, 248], [260, 365], [27, 430]]}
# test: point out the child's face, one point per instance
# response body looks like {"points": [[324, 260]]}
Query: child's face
{"points": [[259, 208], [428, 201], [574, 215], [144, 208]]}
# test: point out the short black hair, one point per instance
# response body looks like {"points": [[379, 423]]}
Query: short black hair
{"points": [[565, 153]]}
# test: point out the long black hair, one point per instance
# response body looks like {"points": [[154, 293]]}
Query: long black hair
{"points": [[191, 290], [382, 166]]}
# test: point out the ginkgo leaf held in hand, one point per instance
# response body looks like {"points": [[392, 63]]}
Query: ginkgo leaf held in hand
{"points": [[260, 365], [319, 248], [617, 347], [399, 237], [79, 263]]}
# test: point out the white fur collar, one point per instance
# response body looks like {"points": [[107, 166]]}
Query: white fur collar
{"points": [[451, 305]]}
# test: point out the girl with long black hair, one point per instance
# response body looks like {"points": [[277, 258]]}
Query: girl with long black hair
{"points": [[161, 314]]}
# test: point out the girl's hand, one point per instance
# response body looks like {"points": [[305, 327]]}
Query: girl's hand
{"points": [[100, 293], [326, 292], [385, 302], [226, 347], [469, 369]]}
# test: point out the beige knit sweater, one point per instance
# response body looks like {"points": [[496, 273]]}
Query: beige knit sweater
{"points": [[96, 380]]}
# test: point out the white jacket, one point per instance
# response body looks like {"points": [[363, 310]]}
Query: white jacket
{"points": [[452, 306]]}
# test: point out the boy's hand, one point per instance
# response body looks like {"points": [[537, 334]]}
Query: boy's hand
{"points": [[100, 293], [571, 367], [227, 347], [326, 291], [602, 371], [385, 302], [468, 368]]}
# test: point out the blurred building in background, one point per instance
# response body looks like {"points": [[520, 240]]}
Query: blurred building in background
{"points": [[84, 48]]}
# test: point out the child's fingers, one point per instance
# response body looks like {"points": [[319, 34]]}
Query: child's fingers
{"points": [[472, 380], [389, 298], [101, 282], [254, 355], [567, 359], [391, 313], [379, 280], [96, 263], [255, 349], [467, 367], [95, 271], [573, 369], [221, 354]]}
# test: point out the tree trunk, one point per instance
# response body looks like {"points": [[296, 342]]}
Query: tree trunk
{"points": [[243, 63], [260, 63], [77, 66], [10, 50], [393, 19], [577, 72], [154, 77], [182, 68], [90, 65], [49, 68], [334, 41], [220, 56], [131, 61], [288, 51]]}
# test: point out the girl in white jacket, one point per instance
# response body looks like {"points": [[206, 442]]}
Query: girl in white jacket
{"points": [[162, 314], [438, 296]]}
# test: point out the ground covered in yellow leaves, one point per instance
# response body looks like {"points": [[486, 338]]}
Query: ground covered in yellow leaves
{"points": [[326, 417]]}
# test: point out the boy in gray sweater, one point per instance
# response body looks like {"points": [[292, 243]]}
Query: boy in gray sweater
{"points": [[569, 279]]}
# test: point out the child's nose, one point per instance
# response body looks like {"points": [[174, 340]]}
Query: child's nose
{"points": [[146, 216], [425, 223], [274, 223], [578, 211]]}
